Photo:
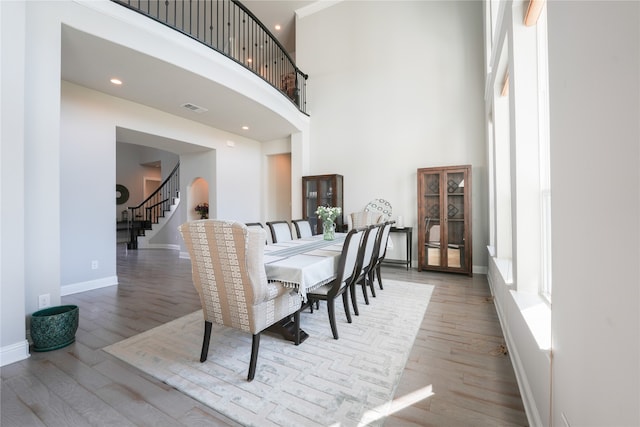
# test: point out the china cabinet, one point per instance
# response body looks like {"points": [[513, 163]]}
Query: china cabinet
{"points": [[444, 219], [321, 190]]}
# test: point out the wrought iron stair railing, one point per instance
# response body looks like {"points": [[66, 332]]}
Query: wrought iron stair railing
{"points": [[228, 27], [147, 213]]}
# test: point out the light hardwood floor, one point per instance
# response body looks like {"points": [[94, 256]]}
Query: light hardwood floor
{"points": [[455, 375]]}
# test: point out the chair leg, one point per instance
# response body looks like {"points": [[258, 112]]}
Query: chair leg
{"points": [[363, 283], [296, 323], [379, 276], [255, 345], [316, 303], [371, 282], [205, 341], [332, 317], [354, 302], [345, 302]]}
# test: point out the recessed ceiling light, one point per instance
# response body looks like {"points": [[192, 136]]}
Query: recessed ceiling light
{"points": [[116, 81], [245, 127], [278, 27]]}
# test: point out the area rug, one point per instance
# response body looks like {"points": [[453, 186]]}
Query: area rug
{"points": [[322, 382]]}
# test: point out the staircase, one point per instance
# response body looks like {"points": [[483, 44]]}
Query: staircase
{"points": [[146, 219]]}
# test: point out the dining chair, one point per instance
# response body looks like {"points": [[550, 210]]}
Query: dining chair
{"points": [[366, 263], [381, 246], [343, 281], [280, 231], [227, 267], [303, 228], [257, 225], [363, 219]]}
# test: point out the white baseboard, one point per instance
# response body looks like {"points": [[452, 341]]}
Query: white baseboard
{"points": [[496, 284], [88, 286], [14, 352], [161, 246], [479, 269]]}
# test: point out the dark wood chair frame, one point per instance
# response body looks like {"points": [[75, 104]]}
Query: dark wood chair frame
{"points": [[381, 253], [366, 264], [295, 224], [343, 276], [270, 224]]}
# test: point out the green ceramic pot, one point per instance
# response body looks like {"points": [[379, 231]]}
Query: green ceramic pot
{"points": [[54, 327]]}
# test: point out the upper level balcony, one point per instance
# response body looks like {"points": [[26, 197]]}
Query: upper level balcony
{"points": [[229, 28]]}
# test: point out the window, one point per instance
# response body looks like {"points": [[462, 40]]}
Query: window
{"points": [[544, 147], [518, 134]]}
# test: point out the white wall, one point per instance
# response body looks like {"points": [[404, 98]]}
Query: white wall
{"points": [[87, 179], [594, 74], [279, 181], [233, 174], [395, 86], [13, 345]]}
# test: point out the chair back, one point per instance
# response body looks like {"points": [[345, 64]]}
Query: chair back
{"points": [[384, 239], [280, 231], [349, 258], [303, 228], [434, 234], [257, 225], [363, 219], [227, 266], [370, 248]]}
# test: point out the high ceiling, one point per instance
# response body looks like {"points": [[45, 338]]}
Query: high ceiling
{"points": [[272, 13], [89, 61]]}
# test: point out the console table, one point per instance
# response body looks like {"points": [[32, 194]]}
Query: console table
{"points": [[408, 231]]}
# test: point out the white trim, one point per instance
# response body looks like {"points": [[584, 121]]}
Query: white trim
{"points": [[14, 352], [88, 286], [161, 246], [496, 283], [315, 7], [479, 269]]}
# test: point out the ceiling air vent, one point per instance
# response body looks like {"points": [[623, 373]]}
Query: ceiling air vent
{"points": [[194, 108]]}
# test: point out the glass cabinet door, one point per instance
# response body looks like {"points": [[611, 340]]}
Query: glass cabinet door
{"points": [[311, 202], [321, 190], [432, 226], [455, 220]]}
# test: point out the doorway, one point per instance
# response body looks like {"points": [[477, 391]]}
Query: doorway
{"points": [[149, 186], [278, 204]]}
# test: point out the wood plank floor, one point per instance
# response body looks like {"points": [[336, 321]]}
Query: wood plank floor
{"points": [[455, 375]]}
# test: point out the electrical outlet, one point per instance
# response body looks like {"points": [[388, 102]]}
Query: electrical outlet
{"points": [[44, 301], [94, 264]]}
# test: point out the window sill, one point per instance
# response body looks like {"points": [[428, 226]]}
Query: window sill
{"points": [[534, 308], [537, 314]]}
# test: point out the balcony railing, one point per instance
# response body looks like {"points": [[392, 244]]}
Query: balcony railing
{"points": [[228, 27]]}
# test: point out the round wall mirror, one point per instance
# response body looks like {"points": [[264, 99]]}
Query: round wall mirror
{"points": [[122, 194]]}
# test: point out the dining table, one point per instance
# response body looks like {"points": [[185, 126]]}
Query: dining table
{"points": [[302, 264]]}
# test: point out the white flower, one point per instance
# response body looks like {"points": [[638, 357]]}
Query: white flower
{"points": [[327, 213]]}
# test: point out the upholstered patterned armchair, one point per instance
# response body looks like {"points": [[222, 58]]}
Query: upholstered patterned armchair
{"points": [[228, 272], [363, 219]]}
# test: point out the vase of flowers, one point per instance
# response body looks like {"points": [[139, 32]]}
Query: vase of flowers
{"points": [[328, 215], [203, 210]]}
